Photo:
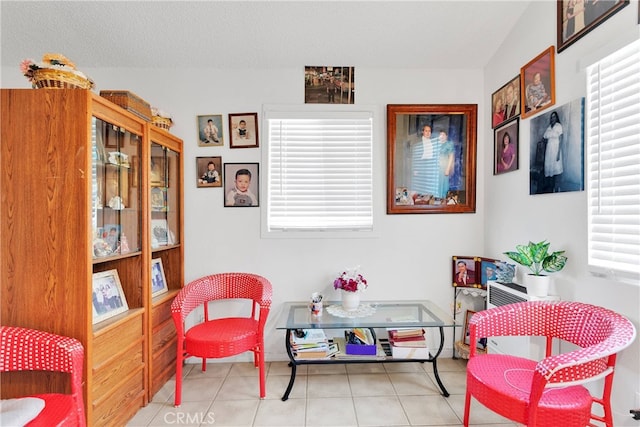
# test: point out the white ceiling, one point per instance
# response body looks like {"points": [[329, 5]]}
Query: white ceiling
{"points": [[259, 34]]}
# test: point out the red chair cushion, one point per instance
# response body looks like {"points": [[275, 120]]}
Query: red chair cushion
{"points": [[222, 337], [502, 383], [58, 411]]}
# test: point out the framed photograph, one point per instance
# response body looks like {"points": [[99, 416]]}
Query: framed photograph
{"points": [[159, 199], [557, 150], [575, 18], [431, 158], [107, 296], [538, 84], [209, 171], [117, 188], [465, 328], [158, 280], [243, 128], [489, 269], [159, 171], [505, 147], [329, 85], [161, 235], [241, 185], [464, 272], [210, 132], [506, 102]]}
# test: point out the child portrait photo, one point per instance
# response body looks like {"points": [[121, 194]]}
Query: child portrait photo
{"points": [[241, 185], [209, 171], [210, 131], [244, 130]]}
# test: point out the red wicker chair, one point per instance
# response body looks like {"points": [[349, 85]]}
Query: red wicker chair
{"points": [[222, 337], [548, 392], [23, 349]]}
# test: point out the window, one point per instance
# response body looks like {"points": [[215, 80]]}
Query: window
{"points": [[319, 171], [613, 163]]}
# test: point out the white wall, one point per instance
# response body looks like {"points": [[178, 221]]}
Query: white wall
{"points": [[512, 216]]}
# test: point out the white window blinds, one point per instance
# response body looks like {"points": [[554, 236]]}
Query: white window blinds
{"points": [[613, 164], [319, 175]]}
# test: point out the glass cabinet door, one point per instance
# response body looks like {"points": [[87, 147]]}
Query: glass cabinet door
{"points": [[165, 196], [116, 202]]}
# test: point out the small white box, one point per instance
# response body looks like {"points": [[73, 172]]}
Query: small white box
{"points": [[409, 352]]}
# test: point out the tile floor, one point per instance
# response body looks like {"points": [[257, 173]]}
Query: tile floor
{"points": [[370, 394]]}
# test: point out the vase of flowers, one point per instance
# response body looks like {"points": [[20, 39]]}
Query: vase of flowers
{"points": [[350, 283]]}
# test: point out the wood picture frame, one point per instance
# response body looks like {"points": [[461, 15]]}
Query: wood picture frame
{"points": [[241, 185], [210, 130], [243, 128], [158, 279], [505, 102], [575, 19], [209, 171], [159, 171], [431, 158], [465, 327], [108, 298], [538, 83], [506, 147]]}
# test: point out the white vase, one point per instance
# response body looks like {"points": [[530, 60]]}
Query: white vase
{"points": [[537, 286], [350, 300]]}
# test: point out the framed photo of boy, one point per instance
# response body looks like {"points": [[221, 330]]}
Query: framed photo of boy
{"points": [[208, 170], [505, 147], [210, 132], [538, 84], [576, 18], [158, 279], [431, 158], [243, 128], [107, 297], [506, 102], [241, 185]]}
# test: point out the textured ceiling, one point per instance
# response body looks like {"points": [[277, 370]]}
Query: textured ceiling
{"points": [[259, 34]]}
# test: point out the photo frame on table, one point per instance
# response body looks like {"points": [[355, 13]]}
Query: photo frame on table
{"points": [[538, 83], [161, 235], [243, 128], [241, 185], [209, 171], [506, 147], [210, 131], [431, 158], [575, 19], [158, 279], [108, 298], [505, 102], [159, 199], [473, 271]]}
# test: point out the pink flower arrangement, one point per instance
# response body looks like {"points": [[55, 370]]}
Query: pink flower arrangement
{"points": [[350, 281]]}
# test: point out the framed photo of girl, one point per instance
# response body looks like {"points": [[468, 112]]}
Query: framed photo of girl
{"points": [[243, 128], [506, 102], [538, 84], [209, 171], [241, 185], [431, 158], [506, 144], [576, 18], [210, 132]]}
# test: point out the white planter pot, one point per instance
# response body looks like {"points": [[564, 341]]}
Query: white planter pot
{"points": [[350, 300], [537, 286]]}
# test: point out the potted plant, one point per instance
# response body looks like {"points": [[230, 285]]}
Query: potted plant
{"points": [[536, 257]]}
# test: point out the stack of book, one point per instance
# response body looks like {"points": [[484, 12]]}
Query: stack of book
{"points": [[408, 343], [311, 344]]}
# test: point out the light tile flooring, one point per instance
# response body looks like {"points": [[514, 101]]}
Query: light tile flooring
{"points": [[369, 394]]}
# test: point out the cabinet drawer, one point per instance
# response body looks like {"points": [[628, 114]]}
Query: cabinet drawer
{"points": [[162, 337], [116, 408], [161, 313], [108, 376], [111, 342]]}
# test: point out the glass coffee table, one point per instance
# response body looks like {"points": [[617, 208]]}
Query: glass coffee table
{"points": [[372, 315]]}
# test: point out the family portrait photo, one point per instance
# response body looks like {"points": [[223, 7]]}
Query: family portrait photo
{"points": [[107, 296]]}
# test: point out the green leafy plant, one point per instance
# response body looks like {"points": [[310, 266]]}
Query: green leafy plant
{"points": [[537, 258]]}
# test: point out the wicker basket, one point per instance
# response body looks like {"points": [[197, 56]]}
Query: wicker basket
{"points": [[162, 122], [129, 101], [59, 79]]}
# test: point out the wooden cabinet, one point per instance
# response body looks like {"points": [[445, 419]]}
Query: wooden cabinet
{"points": [[77, 199]]}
